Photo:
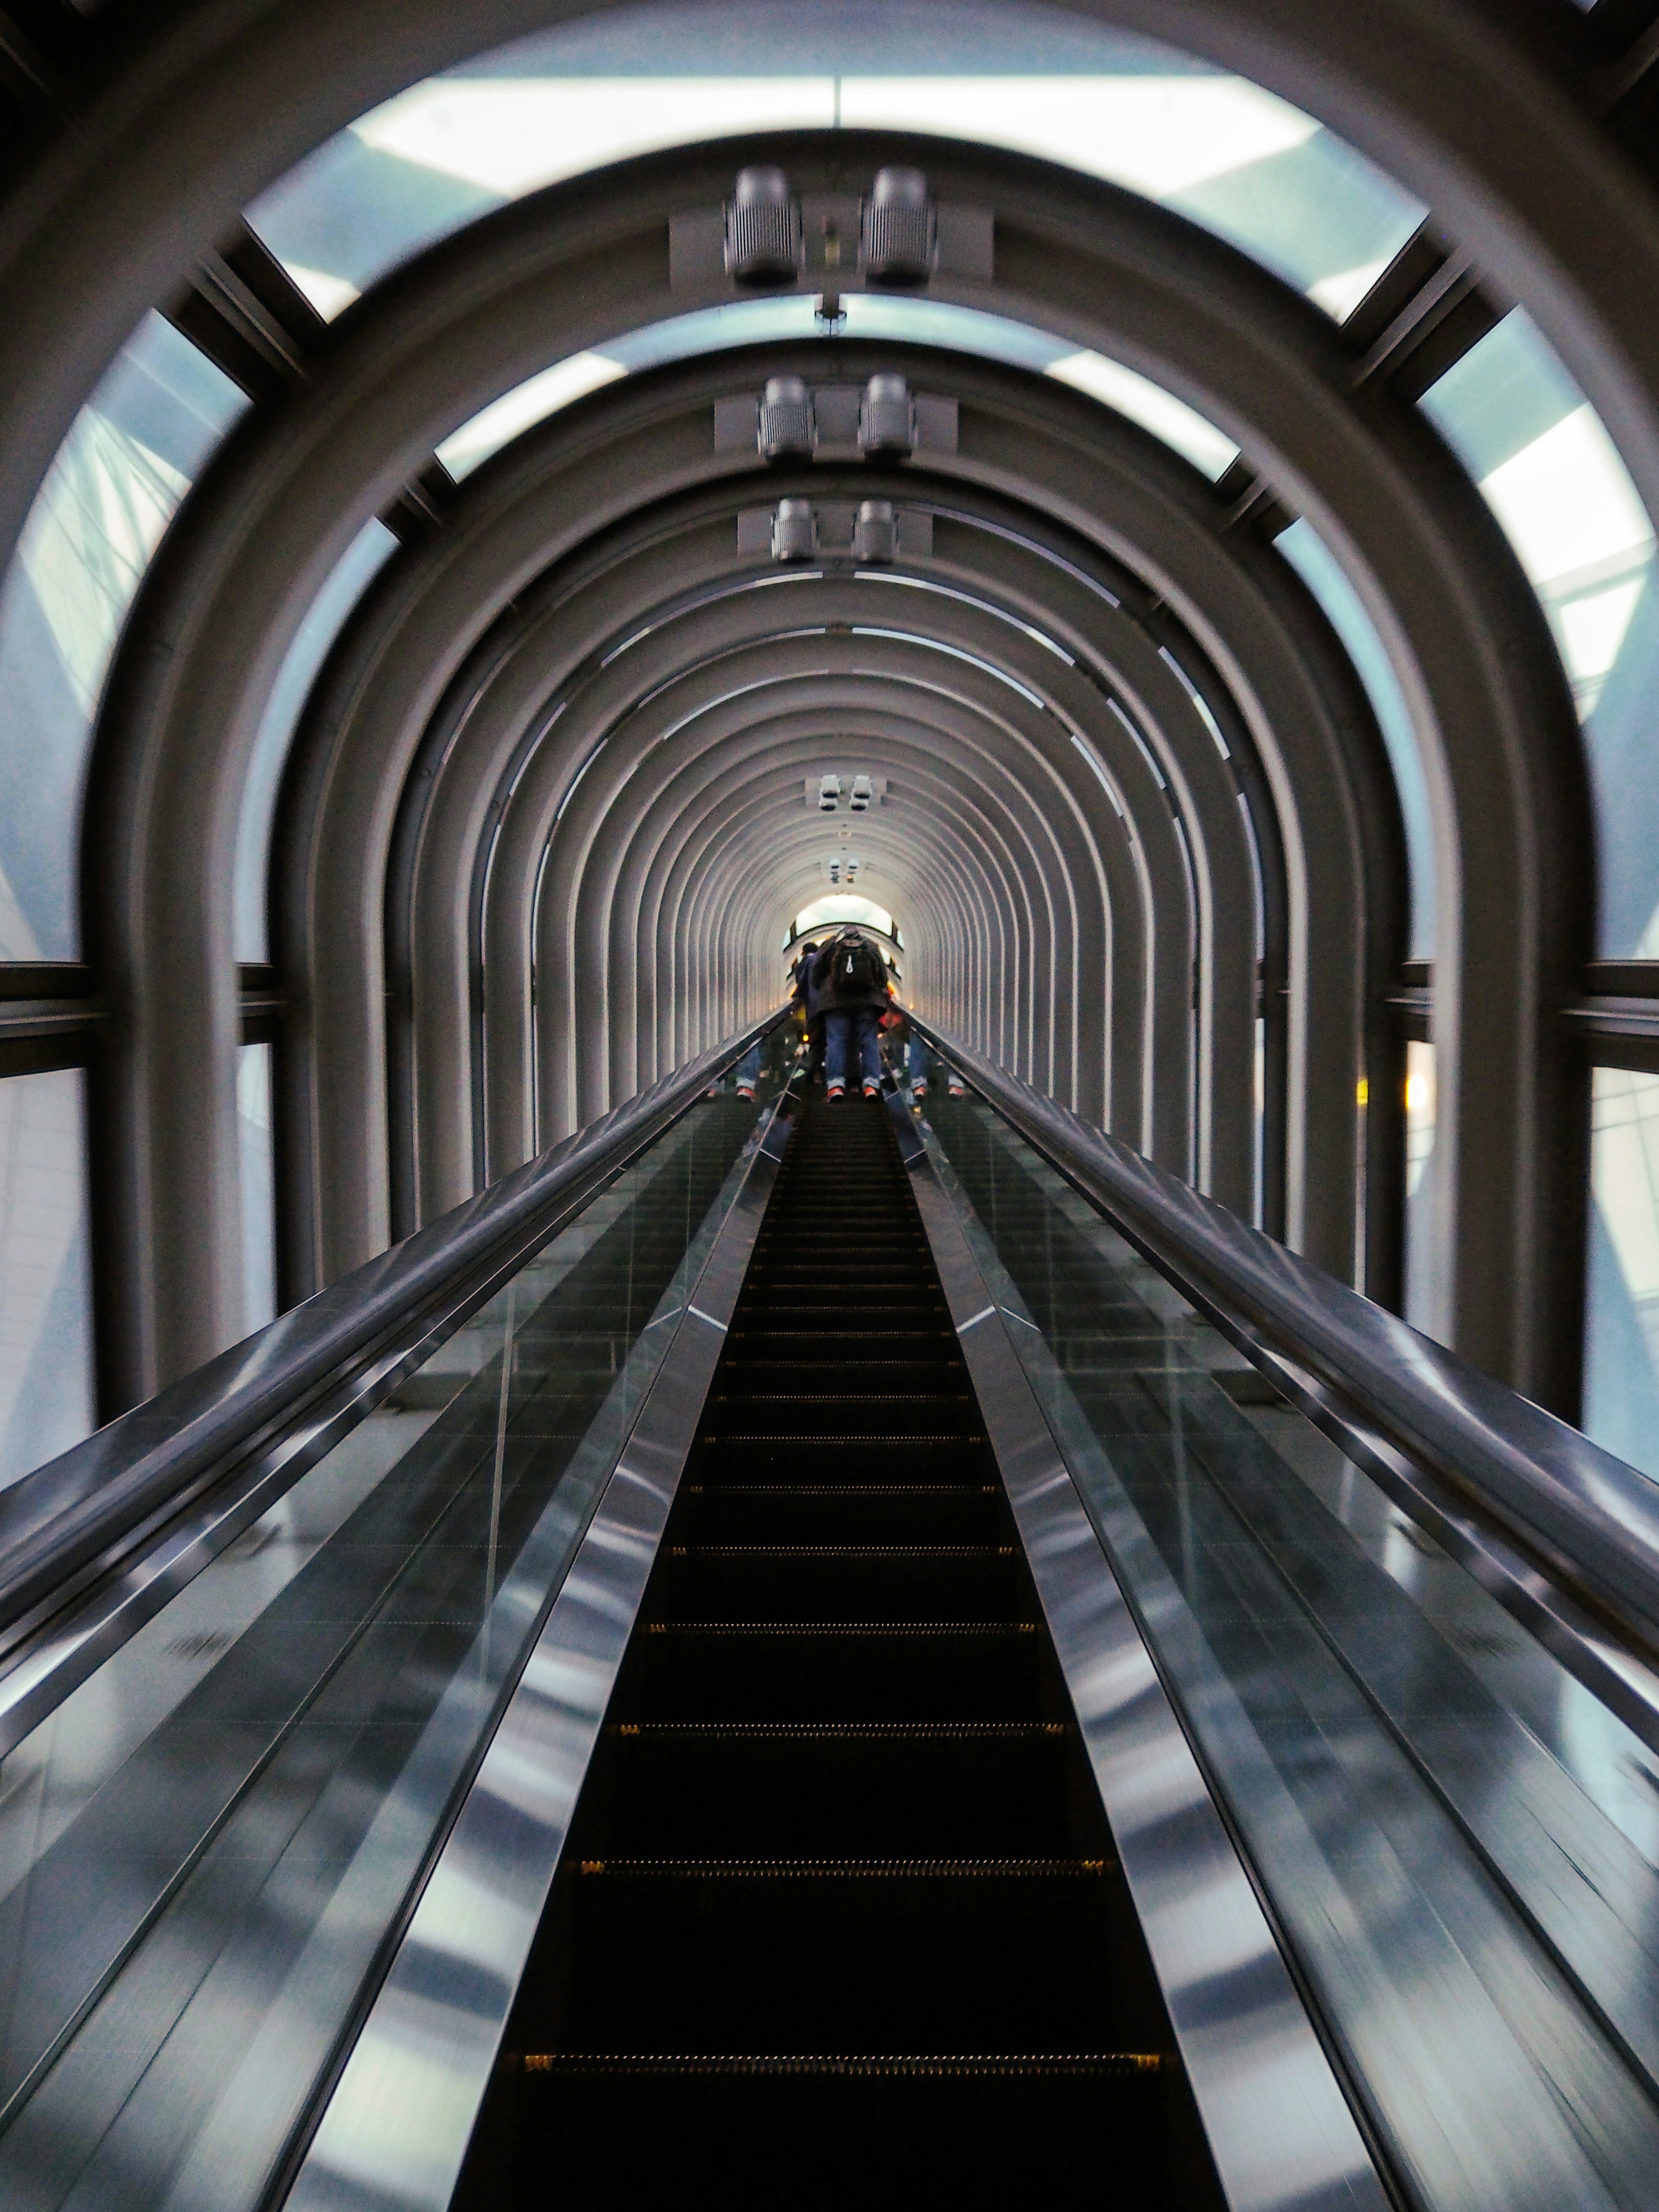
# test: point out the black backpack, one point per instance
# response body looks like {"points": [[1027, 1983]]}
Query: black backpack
{"points": [[858, 968]]}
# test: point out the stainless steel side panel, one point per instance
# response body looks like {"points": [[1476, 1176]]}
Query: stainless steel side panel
{"points": [[1280, 2130], [394, 2133]]}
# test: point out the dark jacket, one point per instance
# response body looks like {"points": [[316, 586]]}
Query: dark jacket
{"points": [[800, 977], [825, 993]]}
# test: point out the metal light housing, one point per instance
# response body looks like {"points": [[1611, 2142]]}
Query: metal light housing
{"points": [[875, 533], [762, 228], [788, 428], [794, 531], [887, 417], [898, 228]]}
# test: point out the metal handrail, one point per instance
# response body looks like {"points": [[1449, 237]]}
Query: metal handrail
{"points": [[95, 1504], [1587, 1521]]}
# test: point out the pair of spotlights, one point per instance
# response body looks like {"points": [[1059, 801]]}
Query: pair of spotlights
{"points": [[795, 531], [829, 793], [788, 430], [898, 228]]}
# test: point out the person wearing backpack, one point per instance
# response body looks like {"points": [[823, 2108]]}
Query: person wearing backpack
{"points": [[848, 984]]}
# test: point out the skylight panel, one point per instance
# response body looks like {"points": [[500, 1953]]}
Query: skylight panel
{"points": [[526, 404], [1229, 154], [1156, 135], [513, 136], [1567, 502], [1154, 409], [1320, 570], [1553, 478]]}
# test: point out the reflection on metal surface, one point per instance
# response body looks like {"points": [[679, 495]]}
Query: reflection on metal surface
{"points": [[1554, 1526], [234, 1421], [395, 2131], [205, 1849], [1280, 2129], [1423, 1803]]}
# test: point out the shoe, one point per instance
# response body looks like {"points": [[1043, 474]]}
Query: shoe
{"points": [[956, 1091], [744, 1091], [835, 1089], [872, 1091]]}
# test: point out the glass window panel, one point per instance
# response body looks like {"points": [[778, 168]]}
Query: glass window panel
{"points": [[843, 906], [1621, 1350], [1624, 749], [527, 404], [362, 559], [1505, 392], [1319, 570], [161, 408], [1422, 1187], [1232, 156], [1556, 484], [1152, 407], [258, 1188], [46, 1299]]}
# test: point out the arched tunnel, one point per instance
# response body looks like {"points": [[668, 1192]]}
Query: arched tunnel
{"points": [[519, 520]]}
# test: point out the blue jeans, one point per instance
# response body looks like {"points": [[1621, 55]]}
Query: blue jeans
{"points": [[748, 1069], [853, 1026], [923, 1068]]}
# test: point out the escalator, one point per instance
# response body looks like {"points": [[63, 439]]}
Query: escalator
{"points": [[840, 1912], [817, 1651]]}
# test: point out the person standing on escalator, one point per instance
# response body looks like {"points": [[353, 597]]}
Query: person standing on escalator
{"points": [[801, 998], [849, 983]]}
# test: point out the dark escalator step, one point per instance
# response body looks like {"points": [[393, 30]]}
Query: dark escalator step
{"points": [[847, 1290], [757, 1511], [876, 1454], [849, 1370], [916, 1789], [800, 1245], [848, 1670], [760, 1335], [872, 2065], [865, 2133], [893, 1302], [792, 1264], [812, 1419], [831, 1581], [831, 1955]]}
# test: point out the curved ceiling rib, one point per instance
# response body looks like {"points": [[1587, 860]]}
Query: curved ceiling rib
{"points": [[490, 743], [1493, 126], [555, 273]]}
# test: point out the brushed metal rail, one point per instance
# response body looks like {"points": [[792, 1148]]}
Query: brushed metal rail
{"points": [[95, 1543], [1565, 1536], [394, 2131], [1279, 2127]]}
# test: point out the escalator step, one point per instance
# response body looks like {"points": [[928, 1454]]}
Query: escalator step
{"points": [[874, 2062], [840, 1922], [1079, 2132]]}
